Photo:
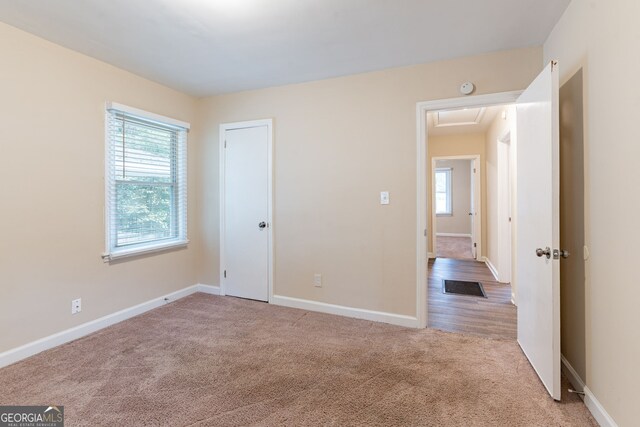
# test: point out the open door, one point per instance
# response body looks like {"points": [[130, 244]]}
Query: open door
{"points": [[538, 227], [475, 207]]}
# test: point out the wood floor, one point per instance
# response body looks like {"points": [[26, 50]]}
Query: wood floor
{"points": [[494, 316]]}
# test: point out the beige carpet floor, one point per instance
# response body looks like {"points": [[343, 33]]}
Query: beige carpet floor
{"points": [[453, 247], [220, 361]]}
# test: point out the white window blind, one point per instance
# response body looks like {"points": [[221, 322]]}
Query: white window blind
{"points": [[146, 182]]}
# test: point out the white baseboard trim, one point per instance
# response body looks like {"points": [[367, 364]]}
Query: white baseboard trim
{"points": [[453, 235], [492, 268], [431, 255], [27, 350], [513, 299], [358, 313], [597, 410], [208, 289]]}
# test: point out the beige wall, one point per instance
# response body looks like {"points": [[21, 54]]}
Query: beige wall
{"points": [[459, 222], [601, 37], [572, 273], [52, 168], [338, 143], [458, 145]]}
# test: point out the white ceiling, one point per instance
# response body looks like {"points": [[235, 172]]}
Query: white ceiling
{"points": [[206, 47]]}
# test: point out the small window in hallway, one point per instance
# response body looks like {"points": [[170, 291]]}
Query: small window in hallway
{"points": [[443, 191]]}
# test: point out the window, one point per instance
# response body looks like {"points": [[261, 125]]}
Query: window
{"points": [[146, 182], [443, 191]]}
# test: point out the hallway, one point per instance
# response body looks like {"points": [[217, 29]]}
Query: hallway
{"points": [[494, 316]]}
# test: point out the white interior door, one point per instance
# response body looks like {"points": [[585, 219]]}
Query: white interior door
{"points": [[538, 275], [246, 224], [504, 209], [507, 222], [476, 225]]}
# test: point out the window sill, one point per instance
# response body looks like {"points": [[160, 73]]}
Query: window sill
{"points": [[143, 250]]}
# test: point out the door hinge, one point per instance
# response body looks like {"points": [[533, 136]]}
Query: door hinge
{"points": [[474, 170], [475, 245], [225, 274], [225, 143]]}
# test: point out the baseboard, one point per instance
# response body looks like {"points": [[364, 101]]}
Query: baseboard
{"points": [[513, 299], [358, 313], [208, 289], [597, 410], [492, 268], [453, 235], [431, 255], [14, 355], [590, 401]]}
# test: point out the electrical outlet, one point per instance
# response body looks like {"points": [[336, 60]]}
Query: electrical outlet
{"points": [[317, 280], [76, 306]]}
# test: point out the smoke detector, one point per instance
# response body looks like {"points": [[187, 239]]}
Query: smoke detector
{"points": [[467, 88]]}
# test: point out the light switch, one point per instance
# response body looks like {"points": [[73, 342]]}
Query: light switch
{"points": [[384, 197]]}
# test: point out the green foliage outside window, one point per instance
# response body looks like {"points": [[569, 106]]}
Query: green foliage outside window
{"points": [[145, 183]]}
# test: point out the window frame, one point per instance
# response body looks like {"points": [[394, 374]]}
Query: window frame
{"points": [[448, 193], [179, 214]]}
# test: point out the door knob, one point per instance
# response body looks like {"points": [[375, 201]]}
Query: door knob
{"points": [[557, 253], [546, 252], [262, 225]]}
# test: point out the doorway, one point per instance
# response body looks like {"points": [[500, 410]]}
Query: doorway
{"points": [[456, 196], [468, 178], [246, 226], [422, 177]]}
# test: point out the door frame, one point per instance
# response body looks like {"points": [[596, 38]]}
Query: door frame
{"points": [[476, 193], [224, 127], [422, 144]]}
